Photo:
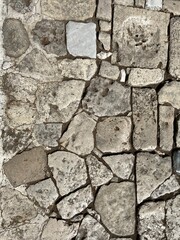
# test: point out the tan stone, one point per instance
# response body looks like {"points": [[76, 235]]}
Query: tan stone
{"points": [[104, 10], [109, 71], [172, 6]]}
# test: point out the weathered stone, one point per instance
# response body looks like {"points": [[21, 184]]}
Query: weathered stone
{"points": [[151, 221], [50, 35], [121, 165], [124, 2], [26, 167], [141, 36], [166, 124], [113, 134], [69, 170], [104, 10], [145, 118], [176, 161], [69, 9], [140, 3], [21, 6], [107, 98], [103, 55], [116, 205], [81, 39], [75, 203], [16, 40], [172, 6], [109, 71], [151, 171], [105, 39], [57, 102], [75, 138], [154, 4], [83, 69], [91, 229], [60, 230], [120, 238], [105, 26], [144, 77], [98, 172], [178, 133]]}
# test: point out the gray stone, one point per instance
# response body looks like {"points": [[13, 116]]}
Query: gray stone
{"points": [[116, 205], [178, 133], [144, 104], [124, 2], [21, 6], [107, 98], [109, 71], [68, 169], [104, 10], [81, 39], [105, 26], [154, 4], [176, 161], [15, 39], [105, 39], [151, 171], [172, 6], [140, 3]]}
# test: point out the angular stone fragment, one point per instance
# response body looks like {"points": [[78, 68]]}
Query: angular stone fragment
{"points": [[68, 170], [176, 162], [178, 133], [15, 39], [75, 203], [141, 36], [116, 205], [81, 39], [26, 167], [104, 10], [83, 69], [105, 39], [21, 6], [172, 6], [109, 71], [151, 221], [105, 26], [144, 104], [107, 98], [121, 165], [124, 2], [151, 171], [154, 4], [50, 35], [79, 136], [69, 9], [103, 55], [113, 134]]}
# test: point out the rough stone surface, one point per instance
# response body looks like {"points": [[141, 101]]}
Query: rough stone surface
{"points": [[104, 10], [124, 2], [109, 71], [172, 6], [105, 26], [116, 205], [140, 3], [21, 6], [105, 39], [178, 133]]}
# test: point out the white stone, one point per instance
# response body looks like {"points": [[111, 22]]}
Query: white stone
{"points": [[105, 26], [109, 71], [105, 39], [104, 10], [104, 55], [123, 76], [154, 4]]}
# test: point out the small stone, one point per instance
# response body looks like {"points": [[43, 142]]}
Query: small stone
{"points": [[154, 4], [140, 3], [81, 39], [26, 167], [104, 55], [123, 76], [176, 161], [83, 69], [15, 39], [151, 221], [113, 134], [68, 169], [144, 106], [104, 10], [116, 205], [125, 2], [105, 97], [105, 39], [105, 26], [75, 203], [121, 165], [109, 71], [172, 6], [21, 6], [151, 171], [98, 172], [178, 133], [75, 138]]}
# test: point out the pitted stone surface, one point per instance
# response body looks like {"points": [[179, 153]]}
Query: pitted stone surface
{"points": [[21, 6]]}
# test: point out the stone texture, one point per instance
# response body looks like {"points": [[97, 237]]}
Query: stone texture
{"points": [[79, 136], [81, 39], [106, 98], [144, 104], [154, 4], [176, 161], [116, 205], [21, 6], [15, 40], [109, 71], [104, 10], [26, 167], [105, 39], [178, 133], [140, 3], [124, 2], [104, 55], [105, 26], [140, 35], [151, 171], [68, 170], [172, 6]]}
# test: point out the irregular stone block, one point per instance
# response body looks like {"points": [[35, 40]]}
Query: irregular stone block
{"points": [[105, 26], [145, 118], [178, 133], [104, 10], [172, 6], [124, 2], [154, 4], [109, 71], [105, 39], [176, 161], [21, 6]]}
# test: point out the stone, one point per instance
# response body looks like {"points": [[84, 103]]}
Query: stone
{"points": [[145, 77], [170, 94], [83, 69], [69, 9], [50, 35], [151, 221], [140, 3], [172, 6], [104, 10], [91, 229], [123, 76], [105, 39], [154, 4], [176, 161], [144, 104], [26, 167], [79, 136], [178, 133], [58, 101], [68, 169], [75, 203], [116, 205], [60, 230], [98, 172], [122, 165], [151, 171], [105, 26], [44, 192], [15, 38], [81, 39], [166, 127], [104, 55], [141, 37], [105, 97], [125, 2], [113, 134], [21, 6], [109, 71]]}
